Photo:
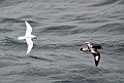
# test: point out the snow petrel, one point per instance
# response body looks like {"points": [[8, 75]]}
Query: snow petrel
{"points": [[28, 36], [91, 47]]}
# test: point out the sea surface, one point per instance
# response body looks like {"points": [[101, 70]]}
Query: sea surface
{"points": [[62, 27]]}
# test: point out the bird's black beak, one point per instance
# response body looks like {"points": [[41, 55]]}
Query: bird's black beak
{"points": [[35, 38]]}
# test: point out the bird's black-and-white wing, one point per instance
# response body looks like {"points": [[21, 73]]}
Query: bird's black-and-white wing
{"points": [[96, 57], [97, 46], [85, 49]]}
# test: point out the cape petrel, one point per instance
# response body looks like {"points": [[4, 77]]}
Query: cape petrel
{"points": [[91, 47]]}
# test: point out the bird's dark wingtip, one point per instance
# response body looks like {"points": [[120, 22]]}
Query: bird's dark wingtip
{"points": [[97, 47], [81, 49], [96, 63]]}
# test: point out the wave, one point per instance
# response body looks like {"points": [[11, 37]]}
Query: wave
{"points": [[11, 44], [17, 20], [58, 30], [4, 30], [113, 28], [6, 3], [105, 2], [40, 58]]}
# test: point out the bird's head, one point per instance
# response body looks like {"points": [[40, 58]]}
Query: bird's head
{"points": [[34, 37], [89, 44]]}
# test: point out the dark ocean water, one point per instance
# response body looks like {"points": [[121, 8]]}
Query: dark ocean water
{"points": [[62, 27]]}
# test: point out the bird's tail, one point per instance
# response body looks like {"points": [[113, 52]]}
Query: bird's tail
{"points": [[21, 38]]}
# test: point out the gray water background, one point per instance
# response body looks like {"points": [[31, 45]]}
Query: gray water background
{"points": [[62, 27]]}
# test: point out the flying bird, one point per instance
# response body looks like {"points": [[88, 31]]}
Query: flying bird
{"points": [[91, 47], [28, 37]]}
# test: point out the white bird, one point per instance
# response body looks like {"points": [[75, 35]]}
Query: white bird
{"points": [[91, 47], [28, 37]]}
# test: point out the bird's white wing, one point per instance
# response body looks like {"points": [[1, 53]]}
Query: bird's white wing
{"points": [[29, 29], [30, 45]]}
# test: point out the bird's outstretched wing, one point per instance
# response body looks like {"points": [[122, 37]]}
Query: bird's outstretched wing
{"points": [[30, 45], [29, 29], [96, 58], [97, 46], [84, 49]]}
